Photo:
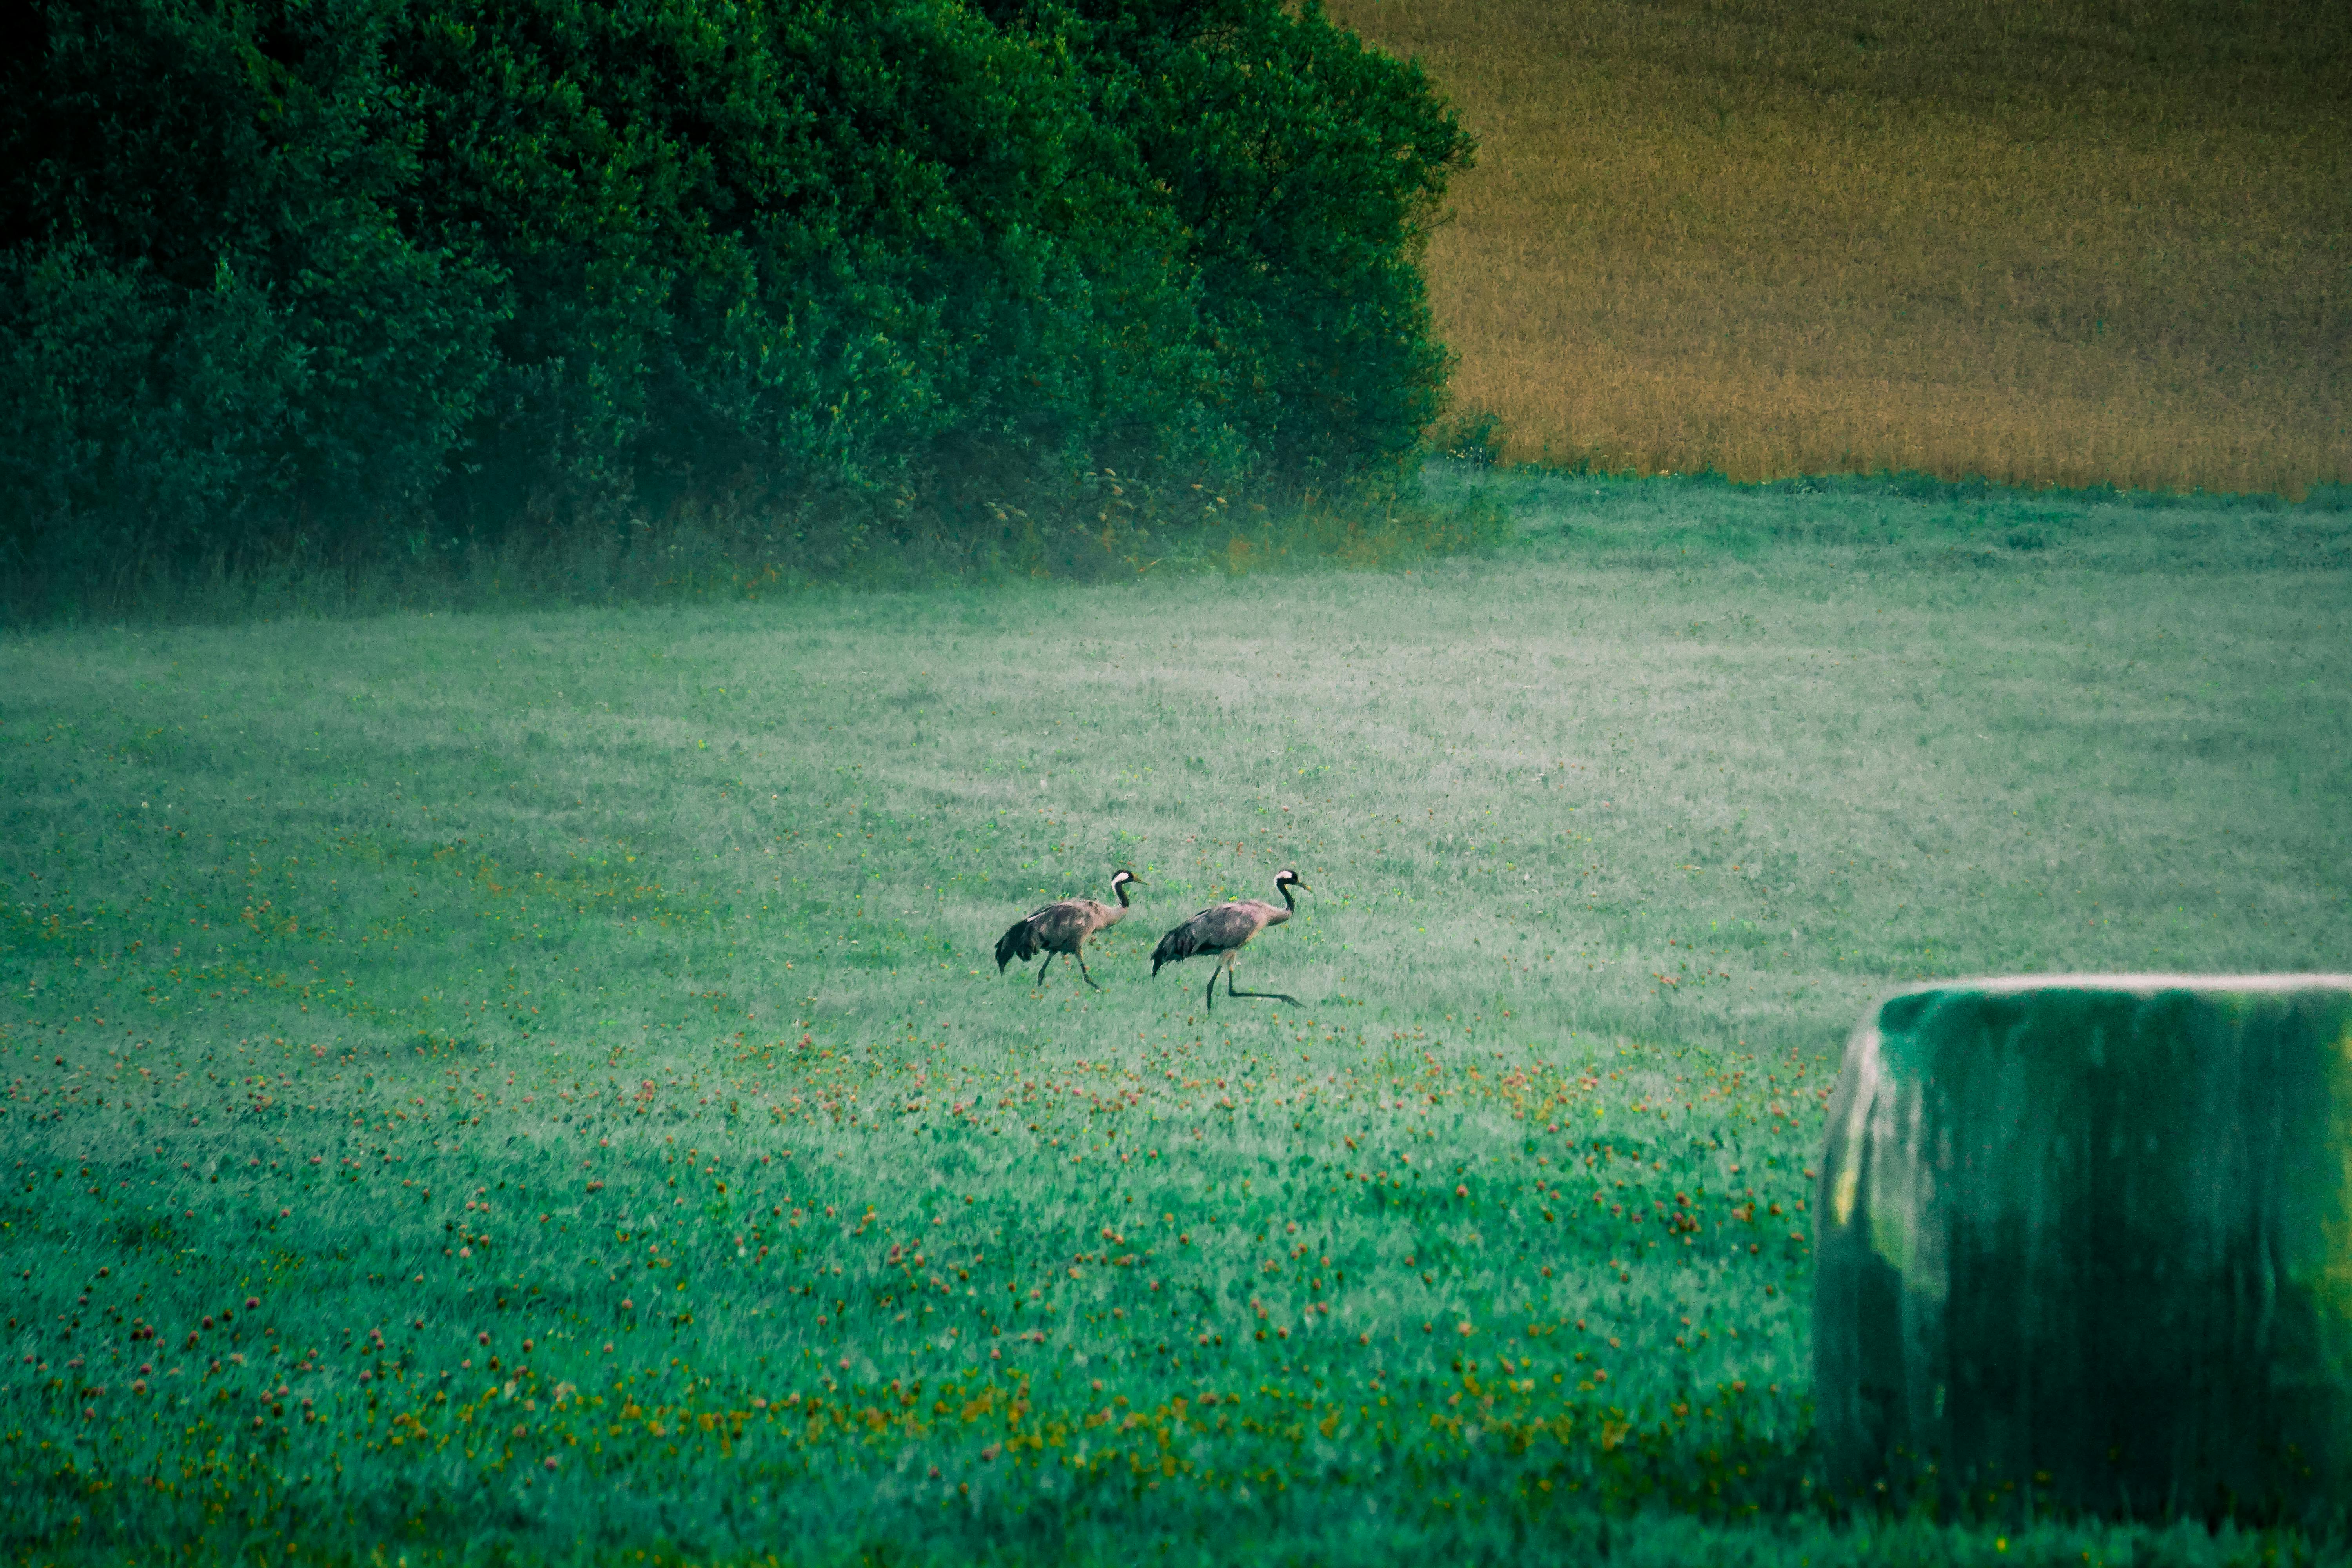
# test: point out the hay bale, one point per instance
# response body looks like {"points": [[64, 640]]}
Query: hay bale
{"points": [[2091, 1238]]}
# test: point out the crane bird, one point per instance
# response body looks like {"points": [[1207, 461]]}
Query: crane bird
{"points": [[1223, 929], [1064, 928]]}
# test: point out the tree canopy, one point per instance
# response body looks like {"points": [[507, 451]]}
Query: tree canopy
{"points": [[367, 271]]}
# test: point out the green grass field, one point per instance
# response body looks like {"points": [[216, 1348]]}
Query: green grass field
{"points": [[528, 1085]]}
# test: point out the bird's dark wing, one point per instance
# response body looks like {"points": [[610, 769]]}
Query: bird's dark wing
{"points": [[1018, 941], [1217, 928], [1031, 934]]}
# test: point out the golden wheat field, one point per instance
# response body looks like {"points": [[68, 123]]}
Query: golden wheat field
{"points": [[2063, 242]]}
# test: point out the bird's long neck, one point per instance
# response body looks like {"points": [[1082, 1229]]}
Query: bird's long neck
{"points": [[1120, 888], [1283, 888]]}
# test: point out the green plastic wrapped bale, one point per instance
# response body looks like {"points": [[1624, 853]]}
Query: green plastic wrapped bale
{"points": [[2088, 1240]]}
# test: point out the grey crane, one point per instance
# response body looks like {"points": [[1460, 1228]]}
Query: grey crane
{"points": [[1064, 928], [1223, 930]]}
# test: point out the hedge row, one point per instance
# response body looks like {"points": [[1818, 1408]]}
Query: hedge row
{"points": [[379, 275]]}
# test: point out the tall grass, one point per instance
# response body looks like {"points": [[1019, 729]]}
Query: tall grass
{"points": [[1099, 529], [573, 1032], [2065, 244]]}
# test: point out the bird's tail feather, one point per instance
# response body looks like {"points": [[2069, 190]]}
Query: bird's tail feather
{"points": [[1174, 948], [1018, 941]]}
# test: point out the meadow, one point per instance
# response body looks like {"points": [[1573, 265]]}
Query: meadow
{"points": [[2071, 243], [532, 1084]]}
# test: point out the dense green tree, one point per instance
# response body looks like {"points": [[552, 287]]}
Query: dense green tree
{"points": [[218, 319], [369, 273]]}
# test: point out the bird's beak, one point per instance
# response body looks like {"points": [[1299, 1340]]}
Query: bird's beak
{"points": [[1302, 887]]}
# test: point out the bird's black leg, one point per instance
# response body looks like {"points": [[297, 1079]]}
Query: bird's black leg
{"points": [[1081, 957], [1269, 996], [1209, 997], [1044, 966]]}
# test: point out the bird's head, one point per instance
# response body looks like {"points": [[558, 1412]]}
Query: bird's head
{"points": [[1125, 878], [1290, 879]]}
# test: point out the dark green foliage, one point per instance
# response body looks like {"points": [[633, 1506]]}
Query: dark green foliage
{"points": [[1299, 167], [217, 321], [403, 276]]}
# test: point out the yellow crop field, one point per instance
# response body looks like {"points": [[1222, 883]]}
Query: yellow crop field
{"points": [[2063, 242]]}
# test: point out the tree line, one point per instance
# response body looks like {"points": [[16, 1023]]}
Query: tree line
{"points": [[376, 276]]}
